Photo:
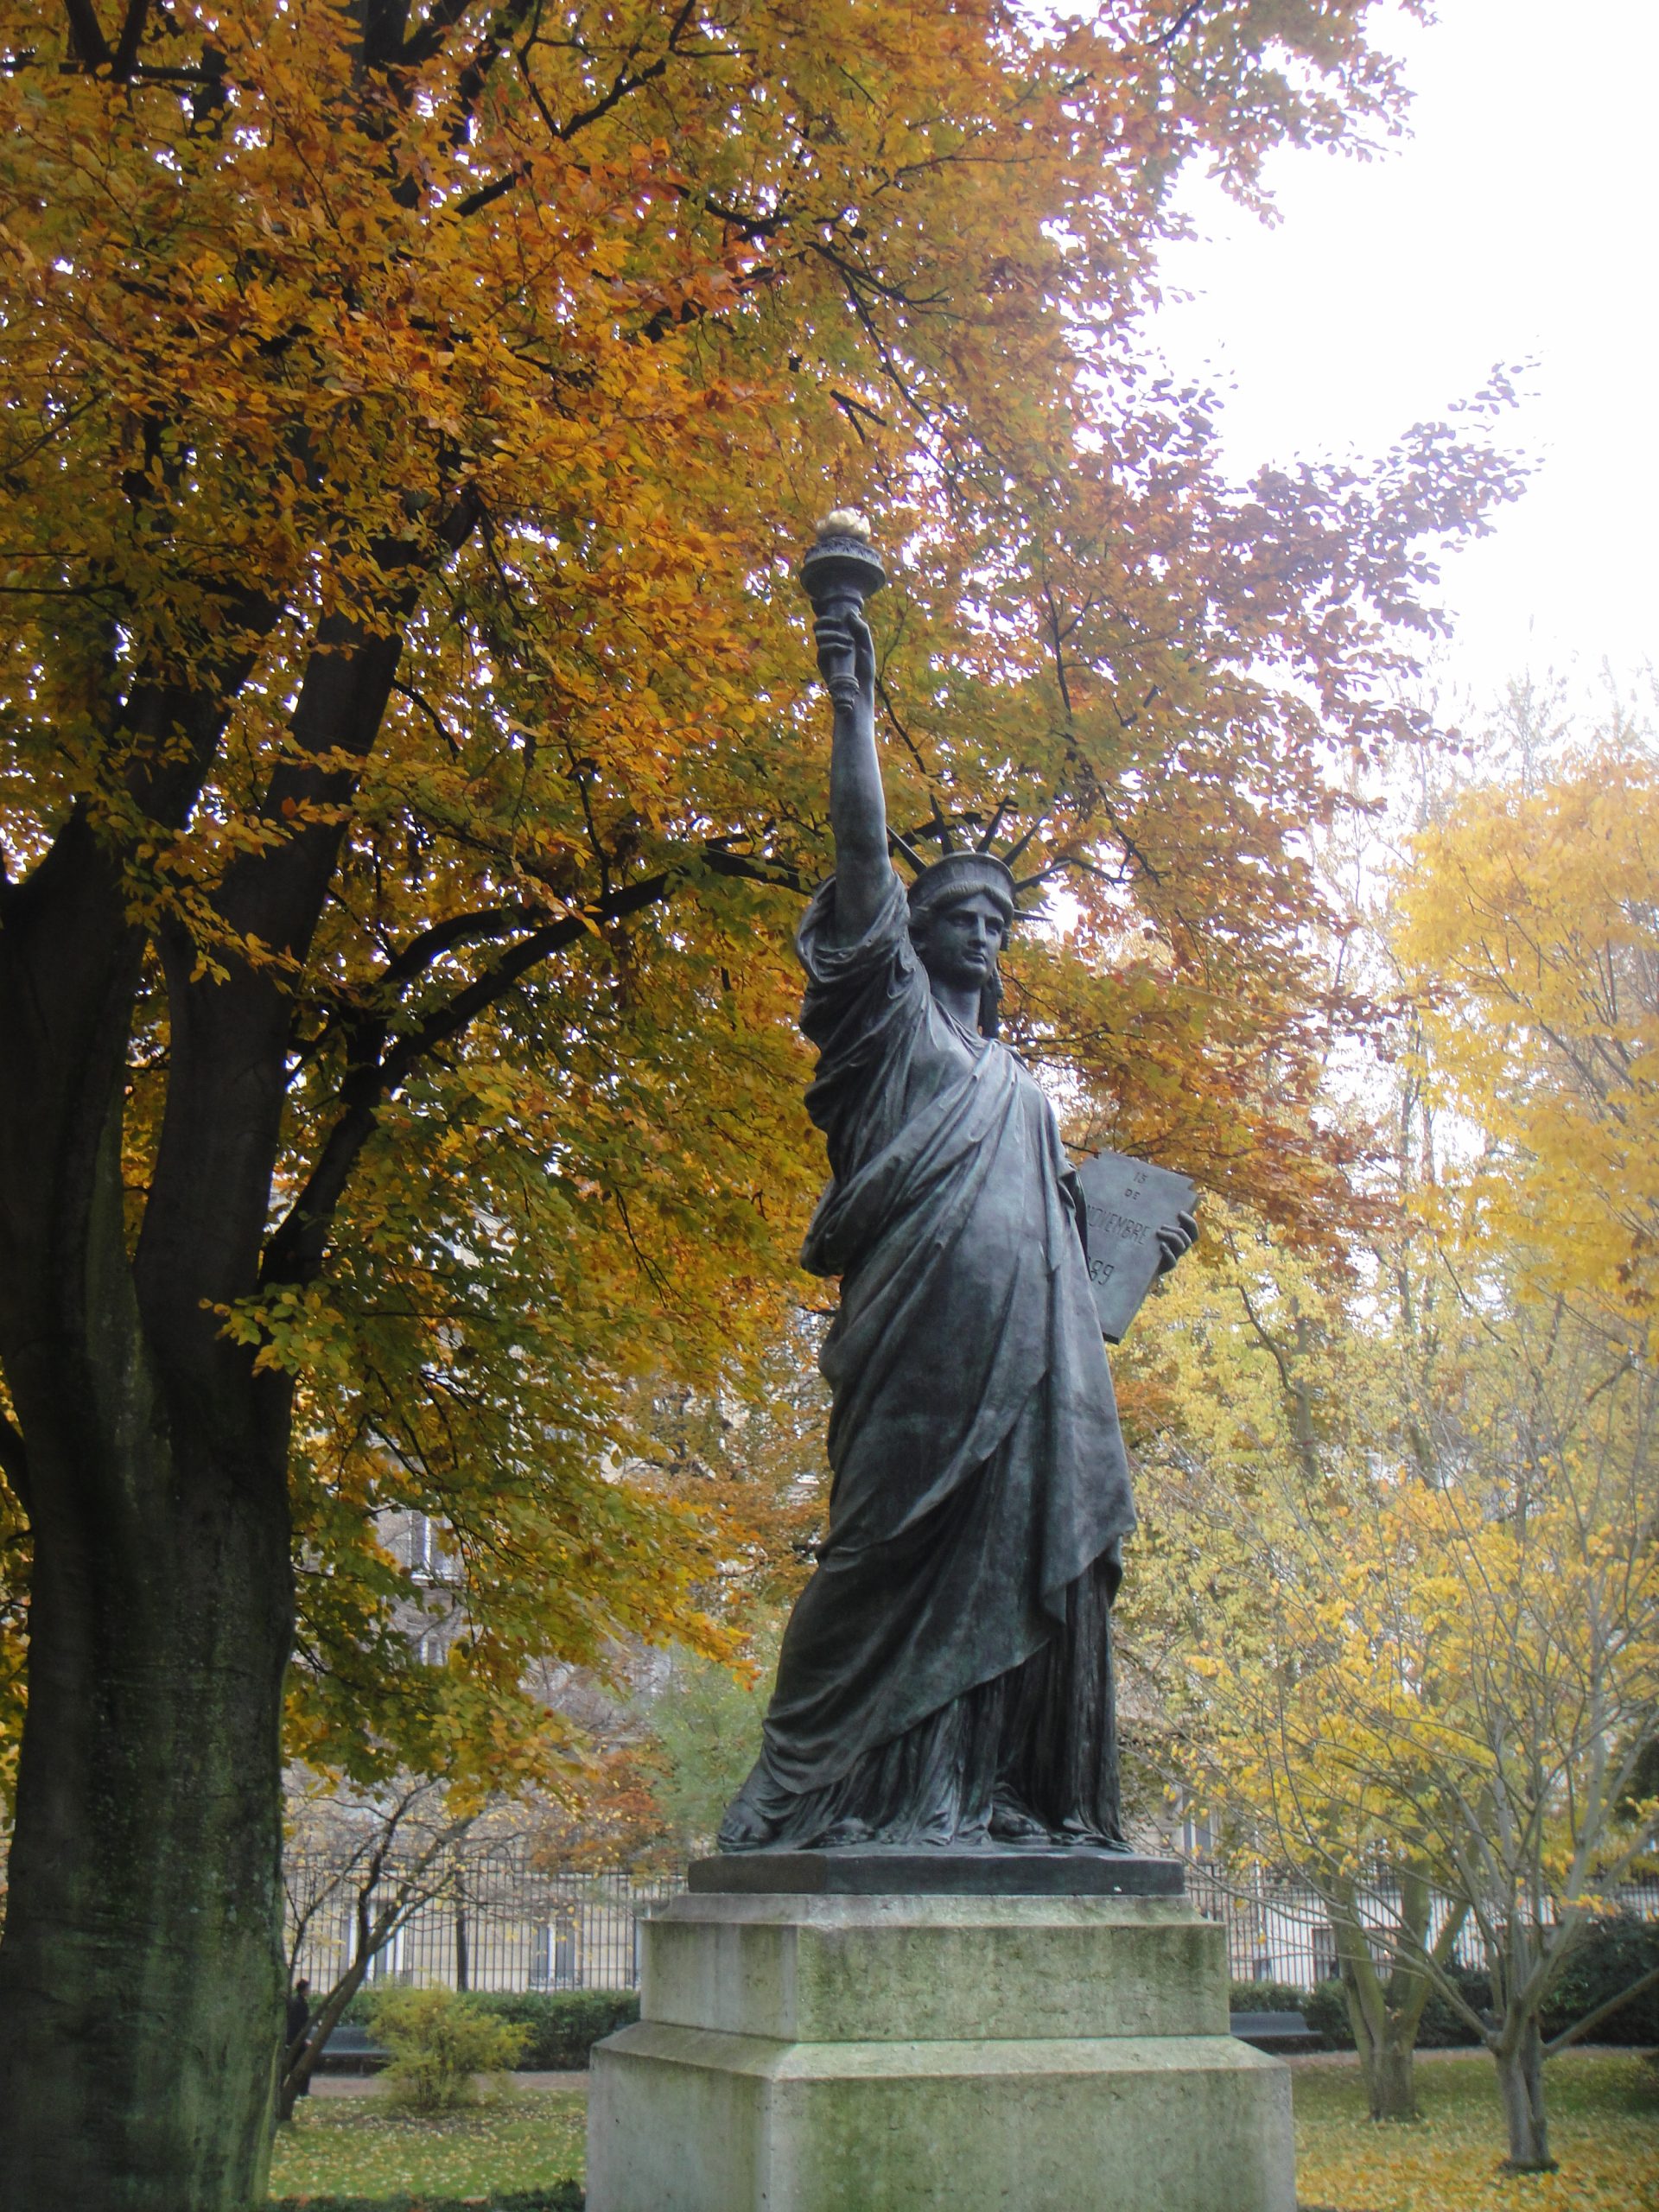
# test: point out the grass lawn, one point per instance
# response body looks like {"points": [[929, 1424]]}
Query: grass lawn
{"points": [[355, 2146], [1604, 2128]]}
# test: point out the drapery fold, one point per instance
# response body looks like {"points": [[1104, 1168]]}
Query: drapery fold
{"points": [[978, 1470]]}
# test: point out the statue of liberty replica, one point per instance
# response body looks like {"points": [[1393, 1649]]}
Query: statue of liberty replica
{"points": [[924, 1969], [945, 1680]]}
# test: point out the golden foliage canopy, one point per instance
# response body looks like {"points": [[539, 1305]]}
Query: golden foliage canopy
{"points": [[1530, 940], [409, 424], [1401, 1587]]}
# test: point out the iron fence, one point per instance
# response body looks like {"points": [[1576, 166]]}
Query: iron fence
{"points": [[1280, 1931], [502, 1922]]}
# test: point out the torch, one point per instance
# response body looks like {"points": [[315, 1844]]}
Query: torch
{"points": [[844, 569]]}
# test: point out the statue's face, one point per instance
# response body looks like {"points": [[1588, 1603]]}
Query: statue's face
{"points": [[958, 946]]}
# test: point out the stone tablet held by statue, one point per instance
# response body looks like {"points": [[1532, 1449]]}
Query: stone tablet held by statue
{"points": [[1126, 1202]]}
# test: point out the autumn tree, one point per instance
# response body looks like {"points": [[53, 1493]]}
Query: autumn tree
{"points": [[1257, 1396], [380, 1871], [1529, 938], [409, 424], [1434, 1675], [1406, 1509]]}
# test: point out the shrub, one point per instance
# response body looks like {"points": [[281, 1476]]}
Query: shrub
{"points": [[1325, 2009], [562, 2196], [438, 2041], [1613, 1953], [1441, 2028], [1266, 1997], [1444, 2029], [562, 2025]]}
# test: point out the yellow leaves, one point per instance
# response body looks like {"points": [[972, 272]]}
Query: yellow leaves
{"points": [[1531, 941], [1420, 1604], [292, 1329], [1602, 2130]]}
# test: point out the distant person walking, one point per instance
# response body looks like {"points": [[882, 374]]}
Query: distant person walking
{"points": [[298, 2020]]}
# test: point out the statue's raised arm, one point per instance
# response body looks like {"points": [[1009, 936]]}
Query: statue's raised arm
{"points": [[945, 1677], [839, 575], [858, 812]]}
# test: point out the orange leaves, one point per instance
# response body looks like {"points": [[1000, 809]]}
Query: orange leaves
{"points": [[407, 450]]}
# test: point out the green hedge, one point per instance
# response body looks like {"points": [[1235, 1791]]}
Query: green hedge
{"points": [[1326, 2009], [563, 2197], [1615, 1953], [564, 2024], [1266, 1997], [1441, 2028]]}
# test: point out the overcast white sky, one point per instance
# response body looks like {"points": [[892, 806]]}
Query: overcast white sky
{"points": [[1520, 219]]}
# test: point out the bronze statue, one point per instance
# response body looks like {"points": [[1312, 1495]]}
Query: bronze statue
{"points": [[946, 1676]]}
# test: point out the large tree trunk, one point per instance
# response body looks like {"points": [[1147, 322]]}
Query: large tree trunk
{"points": [[141, 1977], [1520, 2083], [141, 1973]]}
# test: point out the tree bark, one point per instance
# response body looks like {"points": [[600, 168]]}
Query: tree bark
{"points": [[1520, 2083], [1386, 2015], [1392, 2079], [141, 1977], [1387, 2049]]}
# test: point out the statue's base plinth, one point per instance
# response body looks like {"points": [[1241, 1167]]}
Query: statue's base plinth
{"points": [[880, 1870], [885, 2052]]}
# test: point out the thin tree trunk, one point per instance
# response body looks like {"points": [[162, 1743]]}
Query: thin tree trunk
{"points": [[1387, 2060], [301, 2063], [1393, 2081], [1382, 2037], [1385, 2015], [372, 1931], [1520, 2083]]}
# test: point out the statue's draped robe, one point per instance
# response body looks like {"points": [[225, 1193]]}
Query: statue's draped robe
{"points": [[951, 1653]]}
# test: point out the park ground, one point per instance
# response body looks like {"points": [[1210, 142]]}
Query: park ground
{"points": [[1605, 2125]]}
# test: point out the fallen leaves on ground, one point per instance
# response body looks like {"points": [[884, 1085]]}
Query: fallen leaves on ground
{"points": [[1603, 2124], [523, 2139], [1603, 2116]]}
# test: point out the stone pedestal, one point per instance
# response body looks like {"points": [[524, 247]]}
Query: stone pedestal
{"points": [[824, 2052]]}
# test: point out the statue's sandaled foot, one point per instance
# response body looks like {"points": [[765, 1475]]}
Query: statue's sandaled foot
{"points": [[1016, 1829], [1077, 1835], [744, 1828], [846, 1835]]}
